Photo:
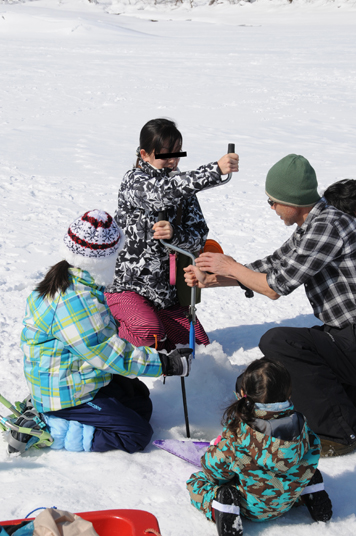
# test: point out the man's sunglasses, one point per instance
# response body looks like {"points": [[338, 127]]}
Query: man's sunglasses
{"points": [[270, 202]]}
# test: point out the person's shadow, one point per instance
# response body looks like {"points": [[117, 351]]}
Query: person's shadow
{"points": [[248, 336], [342, 489]]}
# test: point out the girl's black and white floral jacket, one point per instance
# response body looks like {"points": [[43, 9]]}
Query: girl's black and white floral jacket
{"points": [[143, 265]]}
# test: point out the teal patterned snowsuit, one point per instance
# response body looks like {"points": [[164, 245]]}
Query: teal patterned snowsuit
{"points": [[269, 472]]}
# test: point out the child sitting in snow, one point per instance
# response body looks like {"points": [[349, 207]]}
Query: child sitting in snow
{"points": [[265, 459], [81, 375]]}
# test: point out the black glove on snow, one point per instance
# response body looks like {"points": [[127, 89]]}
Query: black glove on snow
{"points": [[177, 362]]}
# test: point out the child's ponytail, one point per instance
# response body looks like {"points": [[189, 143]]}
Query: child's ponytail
{"points": [[265, 382], [241, 410], [57, 278]]}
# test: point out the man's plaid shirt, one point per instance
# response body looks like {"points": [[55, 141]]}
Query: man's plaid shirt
{"points": [[321, 255], [72, 348]]}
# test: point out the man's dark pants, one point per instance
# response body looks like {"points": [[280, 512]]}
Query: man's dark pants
{"points": [[322, 363]]}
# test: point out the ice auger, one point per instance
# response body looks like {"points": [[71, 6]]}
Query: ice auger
{"points": [[192, 309]]}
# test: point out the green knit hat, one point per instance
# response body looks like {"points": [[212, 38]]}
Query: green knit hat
{"points": [[292, 181]]}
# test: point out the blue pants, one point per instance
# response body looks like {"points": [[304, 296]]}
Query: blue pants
{"points": [[120, 413]]}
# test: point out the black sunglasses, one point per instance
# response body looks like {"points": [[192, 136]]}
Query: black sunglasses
{"points": [[270, 202]]}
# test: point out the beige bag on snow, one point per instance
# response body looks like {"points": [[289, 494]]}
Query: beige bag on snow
{"points": [[53, 522]]}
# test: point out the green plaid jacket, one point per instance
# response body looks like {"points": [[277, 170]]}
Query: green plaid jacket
{"points": [[72, 348]]}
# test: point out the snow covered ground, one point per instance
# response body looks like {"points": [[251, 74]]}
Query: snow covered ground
{"points": [[78, 81]]}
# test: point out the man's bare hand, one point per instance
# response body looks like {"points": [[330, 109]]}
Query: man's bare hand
{"points": [[217, 263]]}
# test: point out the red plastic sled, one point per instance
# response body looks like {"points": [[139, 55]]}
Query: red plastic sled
{"points": [[116, 522]]}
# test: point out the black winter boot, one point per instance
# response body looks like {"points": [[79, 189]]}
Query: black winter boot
{"points": [[316, 499], [227, 511]]}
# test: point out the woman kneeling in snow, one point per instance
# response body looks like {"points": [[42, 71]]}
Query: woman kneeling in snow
{"points": [[81, 375]]}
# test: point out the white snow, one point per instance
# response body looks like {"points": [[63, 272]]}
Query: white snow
{"points": [[77, 84]]}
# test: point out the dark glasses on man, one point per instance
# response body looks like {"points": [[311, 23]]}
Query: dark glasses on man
{"points": [[270, 202]]}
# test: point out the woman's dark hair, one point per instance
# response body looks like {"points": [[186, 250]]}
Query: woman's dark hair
{"points": [[342, 195], [263, 381], [158, 132], [55, 279]]}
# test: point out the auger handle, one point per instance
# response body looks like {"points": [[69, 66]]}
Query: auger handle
{"points": [[230, 149], [162, 215]]}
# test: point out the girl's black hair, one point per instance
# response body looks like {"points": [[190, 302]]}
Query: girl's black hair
{"points": [[57, 278], [263, 381], [158, 132], [342, 195]]}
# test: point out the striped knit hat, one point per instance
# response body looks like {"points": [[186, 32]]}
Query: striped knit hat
{"points": [[92, 243]]}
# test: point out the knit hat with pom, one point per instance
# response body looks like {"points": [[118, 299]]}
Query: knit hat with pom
{"points": [[92, 243]]}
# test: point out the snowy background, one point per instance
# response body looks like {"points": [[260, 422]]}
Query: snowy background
{"points": [[78, 81]]}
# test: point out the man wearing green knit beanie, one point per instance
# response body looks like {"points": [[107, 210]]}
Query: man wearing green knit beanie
{"points": [[321, 256], [292, 181]]}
